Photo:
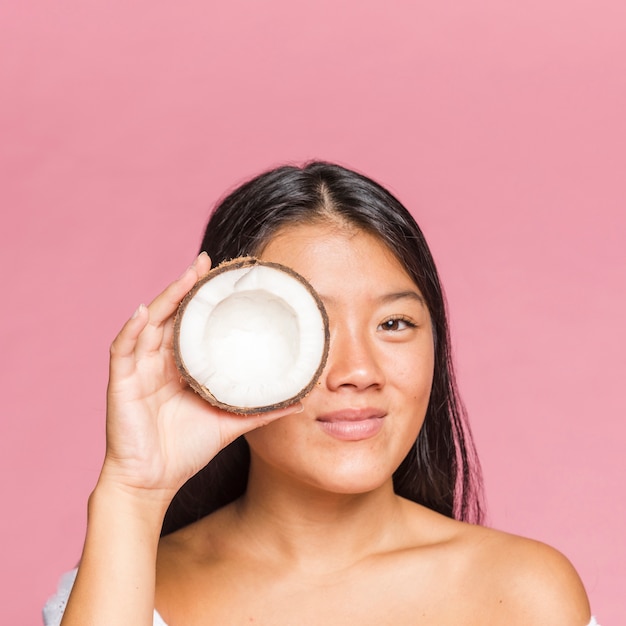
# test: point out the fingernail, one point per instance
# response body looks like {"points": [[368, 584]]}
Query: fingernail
{"points": [[202, 254], [138, 311]]}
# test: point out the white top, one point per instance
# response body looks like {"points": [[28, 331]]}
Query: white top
{"points": [[53, 611]]}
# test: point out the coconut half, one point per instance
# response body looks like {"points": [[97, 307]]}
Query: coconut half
{"points": [[251, 336]]}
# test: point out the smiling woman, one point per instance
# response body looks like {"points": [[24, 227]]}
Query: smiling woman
{"points": [[358, 505], [375, 387]]}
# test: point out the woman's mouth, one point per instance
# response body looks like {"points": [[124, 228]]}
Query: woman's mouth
{"points": [[352, 424]]}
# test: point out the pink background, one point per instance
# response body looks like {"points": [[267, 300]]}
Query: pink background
{"points": [[501, 124]]}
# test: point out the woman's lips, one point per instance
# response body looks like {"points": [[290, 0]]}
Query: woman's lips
{"points": [[352, 424]]}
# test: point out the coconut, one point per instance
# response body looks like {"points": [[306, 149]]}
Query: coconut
{"points": [[251, 336]]}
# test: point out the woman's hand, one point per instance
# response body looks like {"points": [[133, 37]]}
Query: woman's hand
{"points": [[159, 432]]}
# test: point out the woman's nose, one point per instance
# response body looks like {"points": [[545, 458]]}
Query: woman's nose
{"points": [[352, 361]]}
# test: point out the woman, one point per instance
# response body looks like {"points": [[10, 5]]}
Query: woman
{"points": [[352, 507]]}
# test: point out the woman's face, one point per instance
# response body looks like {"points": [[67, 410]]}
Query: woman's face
{"points": [[366, 411]]}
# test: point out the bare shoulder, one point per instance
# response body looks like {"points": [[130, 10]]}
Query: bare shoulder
{"points": [[528, 581]]}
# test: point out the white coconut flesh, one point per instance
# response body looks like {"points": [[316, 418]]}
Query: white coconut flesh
{"points": [[252, 336]]}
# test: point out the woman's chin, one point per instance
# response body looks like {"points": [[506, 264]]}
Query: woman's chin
{"points": [[351, 482]]}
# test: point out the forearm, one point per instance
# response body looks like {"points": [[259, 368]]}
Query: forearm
{"points": [[116, 577]]}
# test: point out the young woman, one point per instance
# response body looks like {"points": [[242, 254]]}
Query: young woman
{"points": [[359, 505]]}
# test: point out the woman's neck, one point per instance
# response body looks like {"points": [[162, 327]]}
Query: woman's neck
{"points": [[312, 528]]}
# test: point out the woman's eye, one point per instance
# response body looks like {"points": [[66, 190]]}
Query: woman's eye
{"points": [[395, 324]]}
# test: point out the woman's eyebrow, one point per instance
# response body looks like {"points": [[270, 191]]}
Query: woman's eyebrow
{"points": [[400, 295], [386, 298]]}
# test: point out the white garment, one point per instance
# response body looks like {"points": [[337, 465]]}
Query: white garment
{"points": [[53, 611]]}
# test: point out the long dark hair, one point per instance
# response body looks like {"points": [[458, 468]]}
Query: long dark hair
{"points": [[441, 470]]}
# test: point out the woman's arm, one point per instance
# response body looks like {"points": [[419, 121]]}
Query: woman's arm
{"points": [[116, 579], [159, 433]]}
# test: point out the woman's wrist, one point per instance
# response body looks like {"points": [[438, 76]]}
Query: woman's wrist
{"points": [[146, 506]]}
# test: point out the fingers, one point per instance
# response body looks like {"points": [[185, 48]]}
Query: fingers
{"points": [[166, 303], [123, 347], [144, 330], [202, 264], [162, 309]]}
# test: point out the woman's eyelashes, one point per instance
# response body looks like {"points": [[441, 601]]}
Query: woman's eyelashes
{"points": [[396, 324]]}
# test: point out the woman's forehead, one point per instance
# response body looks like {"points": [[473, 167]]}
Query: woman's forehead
{"points": [[338, 257]]}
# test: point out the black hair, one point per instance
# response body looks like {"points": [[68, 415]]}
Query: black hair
{"points": [[441, 470]]}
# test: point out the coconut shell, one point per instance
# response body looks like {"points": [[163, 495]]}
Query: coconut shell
{"points": [[203, 391]]}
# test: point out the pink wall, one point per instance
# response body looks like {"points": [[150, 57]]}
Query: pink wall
{"points": [[501, 124]]}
